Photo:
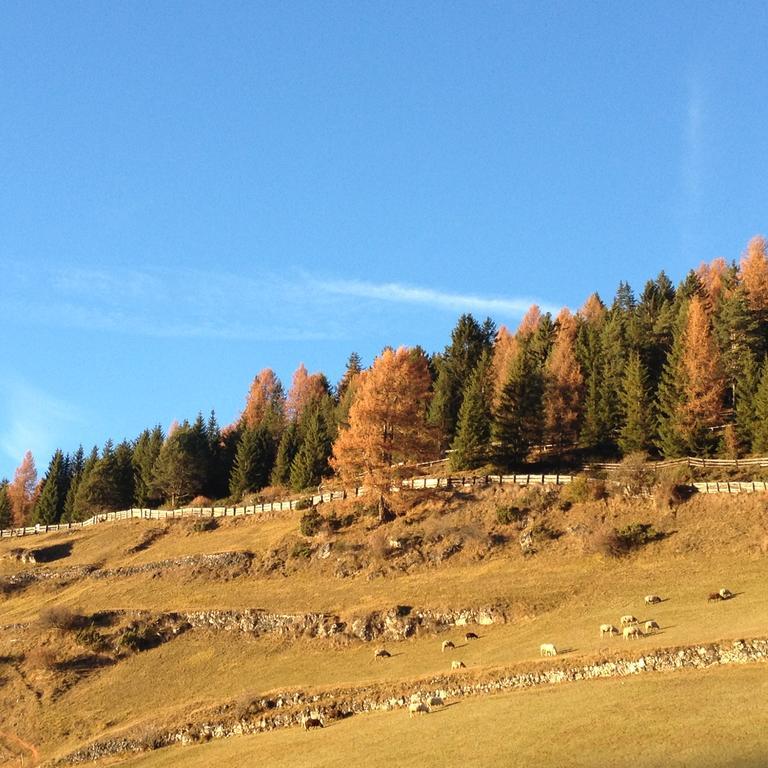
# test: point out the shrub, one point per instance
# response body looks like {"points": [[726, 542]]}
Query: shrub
{"points": [[200, 501], [617, 542], [539, 499], [90, 637], [202, 524], [583, 489], [635, 474], [136, 637], [301, 550], [60, 617], [542, 532], [310, 522], [303, 504], [669, 494], [506, 515]]}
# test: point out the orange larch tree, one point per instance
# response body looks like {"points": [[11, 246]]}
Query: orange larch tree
{"points": [[265, 399], [563, 384], [754, 274], [21, 491], [504, 349], [704, 388], [713, 278], [305, 388], [387, 422]]}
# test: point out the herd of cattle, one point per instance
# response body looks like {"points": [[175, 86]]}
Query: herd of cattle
{"points": [[631, 628]]}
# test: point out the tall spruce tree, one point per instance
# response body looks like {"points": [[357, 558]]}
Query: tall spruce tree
{"points": [[472, 441], [180, 470], [286, 452], [518, 421], [636, 432], [72, 512], [253, 461], [50, 504], [5, 505], [354, 367], [145, 452], [469, 340], [310, 464], [760, 428]]}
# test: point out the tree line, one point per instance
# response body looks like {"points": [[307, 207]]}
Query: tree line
{"points": [[676, 370]]}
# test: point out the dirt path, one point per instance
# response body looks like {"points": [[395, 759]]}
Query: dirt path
{"points": [[27, 753]]}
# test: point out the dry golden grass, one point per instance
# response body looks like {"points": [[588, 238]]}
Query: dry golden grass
{"points": [[560, 595], [711, 719]]}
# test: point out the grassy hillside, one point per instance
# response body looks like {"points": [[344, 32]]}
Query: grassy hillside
{"points": [[453, 553]]}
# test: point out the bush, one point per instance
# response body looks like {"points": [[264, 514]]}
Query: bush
{"points": [[635, 474], [310, 522], [301, 550], [202, 524], [583, 489], [90, 637], [60, 617], [618, 542], [506, 515], [668, 494], [303, 504], [136, 637], [542, 532]]}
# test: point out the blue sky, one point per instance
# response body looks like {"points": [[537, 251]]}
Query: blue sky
{"points": [[190, 192]]}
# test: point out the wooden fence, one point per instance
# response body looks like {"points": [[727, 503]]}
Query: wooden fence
{"points": [[690, 461], [417, 483], [414, 483]]}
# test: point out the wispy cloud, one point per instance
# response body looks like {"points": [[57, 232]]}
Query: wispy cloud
{"points": [[31, 419], [406, 294], [693, 164], [198, 304]]}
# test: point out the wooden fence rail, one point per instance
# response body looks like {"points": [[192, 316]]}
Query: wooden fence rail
{"points": [[414, 483]]}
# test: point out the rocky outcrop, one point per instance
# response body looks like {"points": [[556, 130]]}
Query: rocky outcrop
{"points": [[285, 709]]}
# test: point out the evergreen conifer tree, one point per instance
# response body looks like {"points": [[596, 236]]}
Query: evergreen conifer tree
{"points": [[311, 461], [636, 433], [253, 461], [286, 452], [760, 429], [470, 446], [50, 504], [5, 505]]}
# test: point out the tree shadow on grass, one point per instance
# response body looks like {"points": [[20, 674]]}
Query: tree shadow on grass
{"points": [[53, 552]]}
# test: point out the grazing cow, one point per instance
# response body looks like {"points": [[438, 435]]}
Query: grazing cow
{"points": [[651, 626], [436, 701], [470, 636], [652, 599], [633, 632], [714, 597], [547, 649], [381, 653], [608, 629], [447, 644], [311, 722], [418, 708], [458, 665], [725, 594], [628, 620]]}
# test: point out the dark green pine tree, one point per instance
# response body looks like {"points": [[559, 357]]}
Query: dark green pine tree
{"points": [[671, 395], [613, 363], [80, 469], [745, 390], [50, 504], [310, 464], [145, 452], [691, 286], [518, 421], [589, 354], [736, 332], [180, 471], [100, 490], [5, 505], [218, 470], [469, 340], [124, 479], [354, 367], [253, 461], [655, 322], [472, 441], [760, 429], [286, 452], [636, 433]]}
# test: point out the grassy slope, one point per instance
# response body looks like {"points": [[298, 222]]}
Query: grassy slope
{"points": [[680, 719], [560, 595]]}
